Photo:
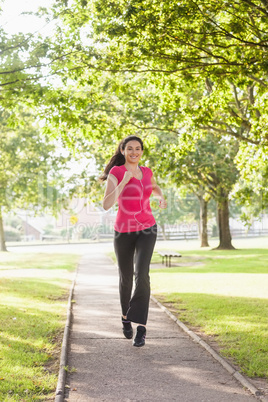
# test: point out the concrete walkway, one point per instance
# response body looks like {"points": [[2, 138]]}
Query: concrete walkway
{"points": [[106, 367]]}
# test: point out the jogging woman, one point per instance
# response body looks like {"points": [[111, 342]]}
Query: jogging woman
{"points": [[131, 185]]}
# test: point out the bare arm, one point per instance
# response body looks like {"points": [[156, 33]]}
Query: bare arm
{"points": [[113, 189], [158, 194]]}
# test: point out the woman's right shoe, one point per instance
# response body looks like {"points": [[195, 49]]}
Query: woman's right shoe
{"points": [[127, 328], [139, 339]]}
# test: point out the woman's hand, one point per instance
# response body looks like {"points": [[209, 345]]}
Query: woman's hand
{"points": [[113, 189], [162, 203], [158, 193], [127, 176]]}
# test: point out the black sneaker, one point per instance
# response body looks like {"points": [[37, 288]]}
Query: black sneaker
{"points": [[139, 339], [127, 329]]}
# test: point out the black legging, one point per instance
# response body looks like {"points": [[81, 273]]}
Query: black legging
{"points": [[142, 245]]}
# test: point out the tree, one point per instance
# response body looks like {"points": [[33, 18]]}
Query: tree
{"points": [[207, 55], [219, 41], [181, 207], [31, 172], [203, 199], [251, 191], [134, 106], [219, 175], [22, 58], [208, 171], [219, 37]]}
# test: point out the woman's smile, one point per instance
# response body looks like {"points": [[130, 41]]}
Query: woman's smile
{"points": [[133, 151]]}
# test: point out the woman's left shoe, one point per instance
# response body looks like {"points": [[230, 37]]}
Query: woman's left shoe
{"points": [[139, 339], [127, 329]]}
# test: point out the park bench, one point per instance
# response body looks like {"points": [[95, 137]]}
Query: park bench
{"points": [[166, 257]]}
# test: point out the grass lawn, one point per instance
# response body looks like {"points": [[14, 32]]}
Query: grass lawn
{"points": [[34, 292], [36, 261], [223, 294]]}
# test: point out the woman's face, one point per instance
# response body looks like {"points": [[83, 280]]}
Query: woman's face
{"points": [[133, 151]]}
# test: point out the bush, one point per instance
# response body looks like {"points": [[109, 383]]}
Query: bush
{"points": [[12, 235]]}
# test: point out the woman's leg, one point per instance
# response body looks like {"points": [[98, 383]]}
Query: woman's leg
{"points": [[124, 245], [139, 303]]}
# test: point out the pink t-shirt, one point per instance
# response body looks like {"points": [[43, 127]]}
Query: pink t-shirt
{"points": [[134, 212]]}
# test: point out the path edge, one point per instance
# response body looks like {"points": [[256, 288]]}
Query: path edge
{"points": [[236, 374], [60, 390]]}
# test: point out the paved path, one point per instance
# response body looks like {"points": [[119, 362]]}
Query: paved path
{"points": [[170, 367]]}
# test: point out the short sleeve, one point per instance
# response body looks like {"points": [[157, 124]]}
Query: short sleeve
{"points": [[118, 172], [149, 172], [115, 171]]}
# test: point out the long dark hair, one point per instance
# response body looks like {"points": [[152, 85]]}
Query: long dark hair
{"points": [[118, 158]]}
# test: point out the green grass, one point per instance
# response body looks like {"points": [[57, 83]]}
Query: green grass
{"points": [[32, 318], [35, 261], [223, 294], [233, 261]]}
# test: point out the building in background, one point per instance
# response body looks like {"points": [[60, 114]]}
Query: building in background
{"points": [[82, 221]]}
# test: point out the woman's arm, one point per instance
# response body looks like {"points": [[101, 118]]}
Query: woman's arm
{"points": [[113, 189], [158, 194]]}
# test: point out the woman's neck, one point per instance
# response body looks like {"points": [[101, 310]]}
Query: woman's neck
{"points": [[133, 167]]}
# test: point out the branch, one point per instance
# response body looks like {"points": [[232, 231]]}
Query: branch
{"points": [[251, 94], [222, 123], [246, 22], [231, 132], [18, 70], [230, 34], [261, 82], [238, 104], [159, 70], [153, 128], [32, 78], [252, 99], [264, 2], [31, 35], [205, 50], [18, 45]]}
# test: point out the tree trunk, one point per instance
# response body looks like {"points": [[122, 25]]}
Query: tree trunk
{"points": [[2, 234], [163, 231], [224, 228], [203, 222]]}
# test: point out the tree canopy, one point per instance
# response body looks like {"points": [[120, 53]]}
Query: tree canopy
{"points": [[34, 169], [168, 71]]}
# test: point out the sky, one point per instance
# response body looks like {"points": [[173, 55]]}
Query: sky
{"points": [[13, 21]]}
